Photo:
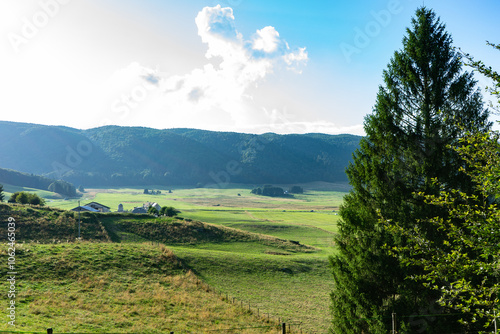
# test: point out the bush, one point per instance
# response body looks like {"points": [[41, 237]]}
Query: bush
{"points": [[26, 198], [169, 211]]}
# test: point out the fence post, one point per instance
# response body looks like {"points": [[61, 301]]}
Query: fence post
{"points": [[393, 323], [283, 326], [495, 320], [49, 331]]}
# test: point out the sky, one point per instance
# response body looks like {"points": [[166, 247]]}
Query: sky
{"points": [[248, 66]]}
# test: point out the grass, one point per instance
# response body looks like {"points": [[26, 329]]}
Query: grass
{"points": [[119, 288], [294, 288], [246, 246]]}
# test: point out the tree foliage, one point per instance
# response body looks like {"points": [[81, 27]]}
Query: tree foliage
{"points": [[63, 188], [469, 254], [271, 191], [16, 178], [23, 197], [407, 145], [169, 211], [122, 156], [488, 72], [2, 196], [152, 210], [463, 265], [296, 190]]}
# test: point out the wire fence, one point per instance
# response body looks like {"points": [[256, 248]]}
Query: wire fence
{"points": [[283, 328]]}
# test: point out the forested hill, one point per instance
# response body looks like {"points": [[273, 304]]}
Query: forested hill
{"points": [[114, 155]]}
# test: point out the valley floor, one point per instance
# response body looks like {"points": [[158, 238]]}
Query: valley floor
{"points": [[266, 254]]}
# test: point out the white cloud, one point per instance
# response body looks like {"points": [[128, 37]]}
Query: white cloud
{"points": [[294, 59], [215, 95], [267, 40]]}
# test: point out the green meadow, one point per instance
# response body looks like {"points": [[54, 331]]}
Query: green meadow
{"points": [[266, 254]]}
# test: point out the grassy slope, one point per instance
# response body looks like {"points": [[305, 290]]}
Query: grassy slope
{"points": [[105, 287]]}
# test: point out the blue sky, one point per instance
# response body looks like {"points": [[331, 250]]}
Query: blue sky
{"points": [[234, 65]]}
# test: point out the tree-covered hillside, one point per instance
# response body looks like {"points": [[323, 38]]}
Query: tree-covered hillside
{"points": [[114, 155], [15, 178]]}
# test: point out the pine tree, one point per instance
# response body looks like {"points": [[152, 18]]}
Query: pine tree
{"points": [[2, 196], [425, 96]]}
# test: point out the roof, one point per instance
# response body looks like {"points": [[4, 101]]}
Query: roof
{"points": [[98, 205], [84, 208], [139, 210]]}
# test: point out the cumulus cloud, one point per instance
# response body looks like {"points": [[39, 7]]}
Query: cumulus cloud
{"points": [[218, 93], [267, 40]]}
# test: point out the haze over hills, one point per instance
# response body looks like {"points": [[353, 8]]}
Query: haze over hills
{"points": [[115, 156]]}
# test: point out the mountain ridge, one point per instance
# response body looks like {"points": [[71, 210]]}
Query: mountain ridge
{"points": [[117, 155]]}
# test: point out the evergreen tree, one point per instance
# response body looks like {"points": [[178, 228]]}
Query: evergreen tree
{"points": [[2, 196], [424, 96]]}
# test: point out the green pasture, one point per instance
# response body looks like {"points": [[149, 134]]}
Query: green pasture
{"points": [[311, 228], [286, 284], [294, 288], [197, 198], [89, 287]]}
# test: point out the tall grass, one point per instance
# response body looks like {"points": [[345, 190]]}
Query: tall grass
{"points": [[119, 288]]}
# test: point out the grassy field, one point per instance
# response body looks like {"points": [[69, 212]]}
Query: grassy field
{"points": [[268, 266], [117, 288]]}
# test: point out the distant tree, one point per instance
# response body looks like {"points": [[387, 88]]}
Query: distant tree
{"points": [[81, 189], [22, 198], [2, 196], [169, 211], [146, 191], [13, 197], [63, 188], [296, 190], [273, 191], [153, 211], [34, 199], [256, 191]]}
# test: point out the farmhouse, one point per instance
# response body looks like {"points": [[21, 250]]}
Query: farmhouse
{"points": [[99, 207], [145, 207], [155, 205]]}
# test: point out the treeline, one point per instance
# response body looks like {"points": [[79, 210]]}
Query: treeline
{"points": [[272, 191], [19, 179]]}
